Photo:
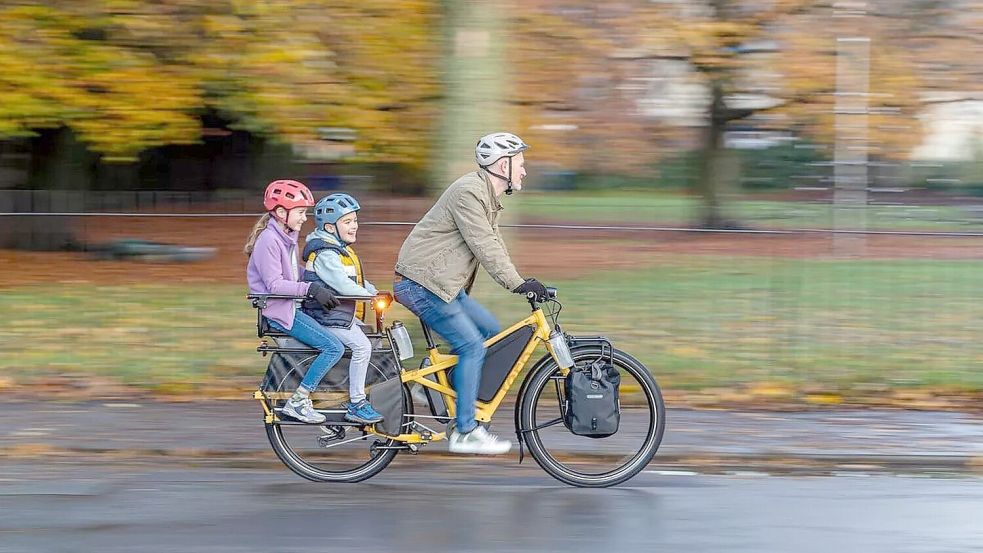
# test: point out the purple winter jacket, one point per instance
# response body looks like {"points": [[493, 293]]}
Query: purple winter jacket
{"points": [[273, 269]]}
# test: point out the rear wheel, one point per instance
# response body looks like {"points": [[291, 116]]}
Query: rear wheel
{"points": [[330, 453], [336, 451], [586, 461]]}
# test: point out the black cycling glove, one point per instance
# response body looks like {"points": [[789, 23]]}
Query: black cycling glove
{"points": [[323, 295], [531, 285]]}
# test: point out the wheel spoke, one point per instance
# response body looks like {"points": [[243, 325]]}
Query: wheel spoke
{"points": [[348, 441], [553, 422]]}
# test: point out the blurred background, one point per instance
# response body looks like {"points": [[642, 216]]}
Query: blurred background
{"points": [[768, 202]]}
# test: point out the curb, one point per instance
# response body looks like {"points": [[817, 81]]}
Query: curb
{"points": [[699, 462], [821, 462]]}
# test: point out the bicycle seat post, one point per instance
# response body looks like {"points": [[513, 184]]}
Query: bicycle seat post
{"points": [[428, 335]]}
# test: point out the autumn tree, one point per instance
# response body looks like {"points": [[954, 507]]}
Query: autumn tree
{"points": [[127, 75], [768, 63], [570, 94], [63, 65]]}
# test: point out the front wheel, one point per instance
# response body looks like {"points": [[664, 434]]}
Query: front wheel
{"points": [[588, 461]]}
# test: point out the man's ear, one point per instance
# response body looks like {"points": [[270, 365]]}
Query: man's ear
{"points": [[503, 166]]}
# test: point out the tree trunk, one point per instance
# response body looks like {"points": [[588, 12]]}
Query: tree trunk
{"points": [[58, 165], [474, 80], [714, 162]]}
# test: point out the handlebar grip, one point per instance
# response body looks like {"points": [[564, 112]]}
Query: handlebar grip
{"points": [[550, 295]]}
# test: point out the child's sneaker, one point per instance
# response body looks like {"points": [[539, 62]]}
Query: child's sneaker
{"points": [[478, 441], [362, 412], [303, 411]]}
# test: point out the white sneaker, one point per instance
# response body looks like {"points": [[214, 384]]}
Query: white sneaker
{"points": [[303, 411], [478, 441]]}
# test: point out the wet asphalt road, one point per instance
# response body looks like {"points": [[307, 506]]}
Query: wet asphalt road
{"points": [[475, 505]]}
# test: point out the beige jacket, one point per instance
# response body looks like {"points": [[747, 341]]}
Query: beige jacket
{"points": [[444, 249]]}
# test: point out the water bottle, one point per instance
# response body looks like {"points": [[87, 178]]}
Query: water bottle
{"points": [[561, 352], [401, 339]]}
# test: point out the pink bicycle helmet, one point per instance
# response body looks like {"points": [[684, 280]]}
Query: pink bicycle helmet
{"points": [[287, 194]]}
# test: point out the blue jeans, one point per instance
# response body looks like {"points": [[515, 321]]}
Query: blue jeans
{"points": [[465, 324], [310, 332]]}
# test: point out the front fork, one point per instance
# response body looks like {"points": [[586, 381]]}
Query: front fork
{"points": [[520, 433], [574, 343]]}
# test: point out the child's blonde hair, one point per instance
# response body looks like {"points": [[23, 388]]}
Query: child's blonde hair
{"points": [[259, 227]]}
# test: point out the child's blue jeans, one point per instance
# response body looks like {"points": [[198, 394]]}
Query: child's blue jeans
{"points": [[308, 331]]}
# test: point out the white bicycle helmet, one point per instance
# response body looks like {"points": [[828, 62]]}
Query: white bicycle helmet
{"points": [[493, 147]]}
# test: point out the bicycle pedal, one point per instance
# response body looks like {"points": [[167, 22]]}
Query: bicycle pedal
{"points": [[425, 433], [331, 434]]}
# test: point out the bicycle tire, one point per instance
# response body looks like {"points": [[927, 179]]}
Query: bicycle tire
{"points": [[353, 470], [298, 465], [547, 371]]}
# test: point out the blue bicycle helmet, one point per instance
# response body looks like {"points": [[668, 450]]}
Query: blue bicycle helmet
{"points": [[331, 208]]}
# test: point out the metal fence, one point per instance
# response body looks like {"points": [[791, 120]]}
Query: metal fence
{"points": [[701, 307]]}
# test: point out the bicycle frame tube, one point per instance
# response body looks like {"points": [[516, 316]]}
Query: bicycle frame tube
{"points": [[441, 363]]}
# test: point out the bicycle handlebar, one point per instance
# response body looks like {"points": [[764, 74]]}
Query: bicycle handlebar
{"points": [[533, 299]]}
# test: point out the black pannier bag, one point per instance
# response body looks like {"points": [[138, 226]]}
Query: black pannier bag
{"points": [[387, 398], [593, 408]]}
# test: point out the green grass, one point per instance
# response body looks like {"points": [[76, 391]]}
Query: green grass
{"points": [[146, 334], [710, 321], [695, 321], [661, 208]]}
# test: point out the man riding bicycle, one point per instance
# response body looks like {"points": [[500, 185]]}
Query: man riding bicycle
{"points": [[438, 263]]}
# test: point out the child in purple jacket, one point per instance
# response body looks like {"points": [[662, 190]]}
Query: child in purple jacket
{"points": [[273, 269]]}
